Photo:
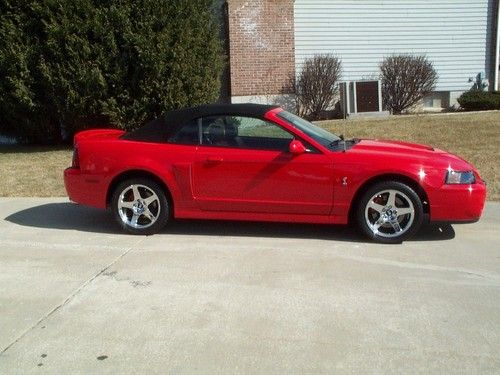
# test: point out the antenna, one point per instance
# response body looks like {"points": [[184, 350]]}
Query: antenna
{"points": [[344, 131], [344, 94]]}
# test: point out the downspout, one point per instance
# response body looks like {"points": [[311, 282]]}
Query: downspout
{"points": [[227, 47], [497, 48]]}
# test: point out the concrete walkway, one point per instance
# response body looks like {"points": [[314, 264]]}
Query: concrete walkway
{"points": [[78, 296]]}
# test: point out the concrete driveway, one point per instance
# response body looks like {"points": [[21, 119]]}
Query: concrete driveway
{"points": [[78, 296]]}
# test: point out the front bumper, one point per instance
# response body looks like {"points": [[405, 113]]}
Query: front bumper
{"points": [[458, 203]]}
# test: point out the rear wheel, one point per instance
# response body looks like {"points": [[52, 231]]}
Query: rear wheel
{"points": [[140, 206], [390, 212]]}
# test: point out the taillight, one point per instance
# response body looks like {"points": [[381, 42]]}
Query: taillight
{"points": [[75, 163]]}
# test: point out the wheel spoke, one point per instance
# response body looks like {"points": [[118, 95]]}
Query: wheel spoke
{"points": [[150, 200], [149, 215], [135, 219], [377, 224], [396, 226], [377, 207], [391, 201], [405, 211], [137, 194], [124, 204]]}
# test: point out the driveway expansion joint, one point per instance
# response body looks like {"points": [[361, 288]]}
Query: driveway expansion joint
{"points": [[70, 297]]}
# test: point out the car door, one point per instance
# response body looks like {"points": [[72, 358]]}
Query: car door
{"points": [[244, 165]]}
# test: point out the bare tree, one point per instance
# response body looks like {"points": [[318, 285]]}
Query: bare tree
{"points": [[406, 79], [316, 86]]}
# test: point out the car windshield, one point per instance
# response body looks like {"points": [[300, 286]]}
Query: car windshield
{"points": [[320, 135]]}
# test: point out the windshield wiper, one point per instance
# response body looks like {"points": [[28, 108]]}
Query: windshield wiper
{"points": [[346, 143], [334, 143], [337, 141]]}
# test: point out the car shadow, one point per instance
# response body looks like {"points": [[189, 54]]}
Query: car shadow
{"points": [[70, 216], [66, 216]]}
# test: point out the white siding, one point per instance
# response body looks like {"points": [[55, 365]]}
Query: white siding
{"points": [[454, 34]]}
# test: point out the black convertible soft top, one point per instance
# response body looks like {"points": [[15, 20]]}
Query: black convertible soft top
{"points": [[164, 127]]}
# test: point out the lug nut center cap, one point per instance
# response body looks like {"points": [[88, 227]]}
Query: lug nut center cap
{"points": [[138, 208]]}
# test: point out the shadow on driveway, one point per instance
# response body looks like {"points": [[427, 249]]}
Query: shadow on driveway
{"points": [[70, 216]]}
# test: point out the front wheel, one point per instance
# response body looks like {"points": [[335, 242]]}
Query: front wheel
{"points": [[389, 212], [140, 206]]}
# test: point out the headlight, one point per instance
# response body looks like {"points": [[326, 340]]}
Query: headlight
{"points": [[456, 177]]}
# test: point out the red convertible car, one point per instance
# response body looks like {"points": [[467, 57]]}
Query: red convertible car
{"points": [[262, 163]]}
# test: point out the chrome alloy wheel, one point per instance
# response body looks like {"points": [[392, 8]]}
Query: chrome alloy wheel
{"points": [[138, 206], [389, 213]]}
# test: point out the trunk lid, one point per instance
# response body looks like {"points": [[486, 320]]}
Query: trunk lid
{"points": [[98, 134]]}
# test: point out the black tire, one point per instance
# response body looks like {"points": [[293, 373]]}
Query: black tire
{"points": [[379, 219], [140, 206]]}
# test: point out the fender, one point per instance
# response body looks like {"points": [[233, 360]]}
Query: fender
{"points": [[351, 179], [137, 165]]}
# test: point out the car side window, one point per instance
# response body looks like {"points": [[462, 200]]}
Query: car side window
{"points": [[244, 132], [187, 135]]}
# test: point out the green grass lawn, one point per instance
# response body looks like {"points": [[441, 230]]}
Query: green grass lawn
{"points": [[36, 171], [33, 171]]}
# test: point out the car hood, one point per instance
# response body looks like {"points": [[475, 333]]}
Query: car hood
{"points": [[392, 146], [412, 152]]}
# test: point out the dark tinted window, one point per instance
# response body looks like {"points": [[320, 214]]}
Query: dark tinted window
{"points": [[187, 135]]}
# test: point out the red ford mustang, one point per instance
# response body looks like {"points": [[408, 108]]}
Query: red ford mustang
{"points": [[256, 162]]}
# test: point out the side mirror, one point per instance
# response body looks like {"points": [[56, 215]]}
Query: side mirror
{"points": [[296, 147]]}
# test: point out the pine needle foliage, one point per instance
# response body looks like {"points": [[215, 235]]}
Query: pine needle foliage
{"points": [[69, 65]]}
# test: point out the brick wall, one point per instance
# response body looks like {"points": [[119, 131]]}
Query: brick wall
{"points": [[261, 40]]}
